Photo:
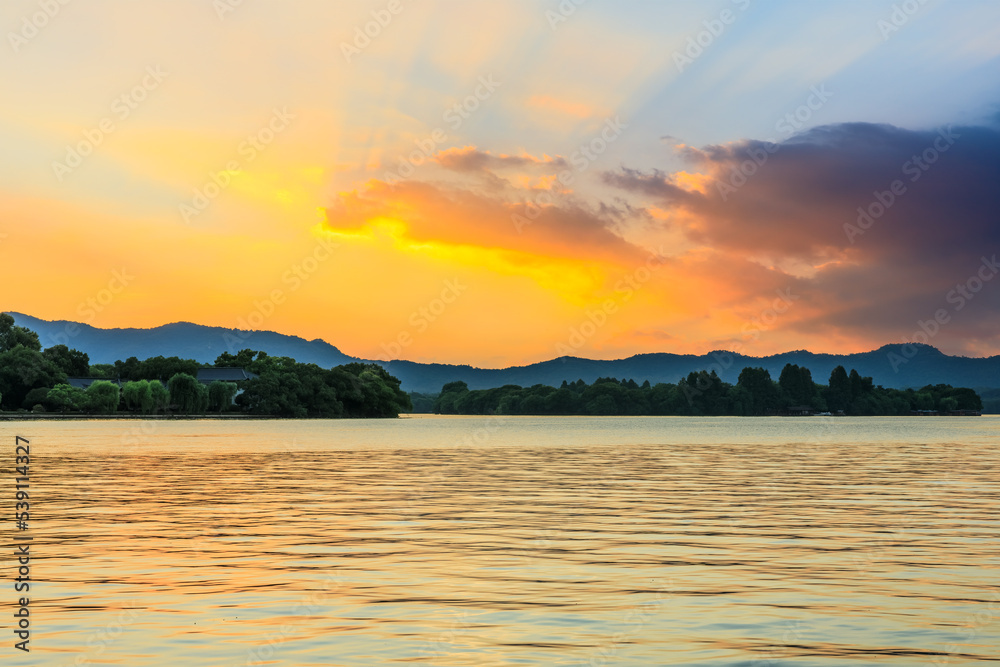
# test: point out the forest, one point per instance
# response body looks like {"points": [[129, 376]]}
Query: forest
{"points": [[703, 393], [35, 380]]}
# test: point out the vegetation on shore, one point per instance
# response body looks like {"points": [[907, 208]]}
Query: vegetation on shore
{"points": [[35, 379], [755, 393]]}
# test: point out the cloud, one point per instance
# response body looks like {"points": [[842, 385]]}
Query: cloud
{"points": [[471, 159], [882, 223], [508, 219]]}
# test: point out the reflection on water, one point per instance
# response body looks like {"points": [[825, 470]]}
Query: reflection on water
{"points": [[513, 541]]}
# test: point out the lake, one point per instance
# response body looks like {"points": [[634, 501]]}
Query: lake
{"points": [[510, 541]]}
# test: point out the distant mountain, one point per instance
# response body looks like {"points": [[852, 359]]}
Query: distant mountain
{"points": [[889, 366], [181, 339], [895, 366]]}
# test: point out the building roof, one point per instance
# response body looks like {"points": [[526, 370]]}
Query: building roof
{"points": [[209, 375]]}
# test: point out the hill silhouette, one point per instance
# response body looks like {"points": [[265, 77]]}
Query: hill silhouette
{"points": [[896, 366]]}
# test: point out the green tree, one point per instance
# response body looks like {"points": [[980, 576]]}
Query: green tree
{"points": [[563, 401], [71, 362], [23, 369], [103, 397], [967, 399], [159, 395], [275, 393], [128, 369], [189, 395], [761, 392], [383, 396], [423, 403], [510, 398], [221, 394], [859, 385], [700, 393], [287, 388], [797, 384], [11, 336], [445, 403], [138, 396], [605, 397], [241, 359], [103, 371], [602, 404], [164, 368], [664, 399], [705, 393], [838, 392], [39, 396], [64, 397]]}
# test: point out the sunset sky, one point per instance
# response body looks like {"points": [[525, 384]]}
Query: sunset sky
{"points": [[499, 183]]}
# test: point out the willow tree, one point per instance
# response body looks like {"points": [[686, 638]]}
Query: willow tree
{"points": [[189, 395], [138, 396], [103, 397], [221, 394]]}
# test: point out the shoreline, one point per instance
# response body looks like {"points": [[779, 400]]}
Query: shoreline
{"points": [[59, 417], [14, 417]]}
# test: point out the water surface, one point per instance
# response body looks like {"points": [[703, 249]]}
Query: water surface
{"points": [[512, 541]]}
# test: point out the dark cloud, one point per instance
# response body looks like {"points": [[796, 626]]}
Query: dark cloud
{"points": [[882, 260], [795, 198]]}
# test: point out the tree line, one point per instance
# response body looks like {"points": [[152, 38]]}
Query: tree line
{"points": [[35, 379], [704, 393]]}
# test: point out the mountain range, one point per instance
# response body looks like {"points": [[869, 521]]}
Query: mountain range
{"points": [[898, 366]]}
